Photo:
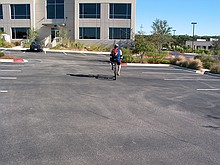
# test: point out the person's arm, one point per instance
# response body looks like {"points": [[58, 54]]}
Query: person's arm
{"points": [[120, 53]]}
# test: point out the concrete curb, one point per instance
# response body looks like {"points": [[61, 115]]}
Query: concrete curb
{"points": [[139, 64], [14, 60], [74, 51], [212, 74]]}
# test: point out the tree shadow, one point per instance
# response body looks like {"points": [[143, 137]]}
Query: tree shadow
{"points": [[212, 127], [213, 117], [98, 76]]}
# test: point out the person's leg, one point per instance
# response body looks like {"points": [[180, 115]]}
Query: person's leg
{"points": [[119, 68]]}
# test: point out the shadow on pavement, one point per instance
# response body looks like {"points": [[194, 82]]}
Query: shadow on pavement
{"points": [[98, 76]]}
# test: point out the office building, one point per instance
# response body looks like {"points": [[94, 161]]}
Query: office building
{"points": [[87, 21]]}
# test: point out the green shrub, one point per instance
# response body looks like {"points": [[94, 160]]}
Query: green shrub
{"points": [[2, 54], [207, 60], [165, 61], [173, 61], [207, 65], [97, 48], [130, 59], [1, 42], [215, 68]]}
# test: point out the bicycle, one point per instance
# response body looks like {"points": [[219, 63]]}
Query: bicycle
{"points": [[114, 68]]}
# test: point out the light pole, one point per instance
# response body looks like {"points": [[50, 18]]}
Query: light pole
{"points": [[193, 23], [174, 31]]}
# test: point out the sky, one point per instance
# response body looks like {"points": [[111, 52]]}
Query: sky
{"points": [[179, 15]]}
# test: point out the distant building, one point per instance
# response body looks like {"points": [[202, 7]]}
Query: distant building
{"points": [[201, 44], [88, 21]]}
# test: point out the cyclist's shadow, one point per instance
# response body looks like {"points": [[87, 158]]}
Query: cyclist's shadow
{"points": [[98, 76]]}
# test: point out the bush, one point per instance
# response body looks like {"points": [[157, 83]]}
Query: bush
{"points": [[188, 63], [180, 60], [206, 60], [194, 63], [215, 68], [130, 58], [2, 54]]}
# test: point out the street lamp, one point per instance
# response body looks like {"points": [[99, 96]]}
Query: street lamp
{"points": [[193, 23], [174, 31], [174, 39]]}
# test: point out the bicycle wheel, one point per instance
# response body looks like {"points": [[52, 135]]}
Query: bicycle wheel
{"points": [[114, 71]]}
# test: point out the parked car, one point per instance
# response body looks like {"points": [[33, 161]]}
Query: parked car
{"points": [[36, 46]]}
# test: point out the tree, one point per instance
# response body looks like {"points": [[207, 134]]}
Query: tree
{"points": [[216, 44], [143, 45], [32, 34], [161, 33], [161, 28]]}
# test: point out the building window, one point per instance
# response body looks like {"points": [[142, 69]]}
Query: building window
{"points": [[89, 10], [1, 13], [119, 33], [20, 11], [120, 11], [1, 29], [20, 33], [55, 9], [89, 33]]}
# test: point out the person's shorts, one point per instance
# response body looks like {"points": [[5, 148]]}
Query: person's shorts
{"points": [[117, 60]]}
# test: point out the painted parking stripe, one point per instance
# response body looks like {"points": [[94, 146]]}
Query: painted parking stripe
{"points": [[3, 91], [10, 70], [141, 68], [181, 79], [208, 89], [194, 74], [8, 78]]}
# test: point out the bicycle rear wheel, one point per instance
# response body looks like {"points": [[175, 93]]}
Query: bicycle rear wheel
{"points": [[114, 71]]}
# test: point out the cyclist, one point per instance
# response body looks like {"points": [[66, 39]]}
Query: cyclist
{"points": [[116, 56]]}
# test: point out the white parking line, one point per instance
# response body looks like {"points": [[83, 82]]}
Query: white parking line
{"points": [[163, 73], [8, 78], [141, 68], [208, 89], [10, 70], [182, 79], [3, 91]]}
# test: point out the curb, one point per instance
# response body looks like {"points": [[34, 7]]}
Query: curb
{"points": [[212, 74], [138, 64], [14, 60]]}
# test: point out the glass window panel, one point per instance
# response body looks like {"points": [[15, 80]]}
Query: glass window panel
{"points": [[50, 12], [20, 33], [1, 12], [59, 1], [89, 10], [55, 9], [89, 33], [59, 12], [1, 29], [20, 11], [50, 1], [120, 11], [119, 33]]}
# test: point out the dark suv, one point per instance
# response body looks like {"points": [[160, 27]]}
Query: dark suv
{"points": [[36, 46]]}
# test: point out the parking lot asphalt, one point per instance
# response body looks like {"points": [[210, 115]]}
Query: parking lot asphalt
{"points": [[66, 109]]}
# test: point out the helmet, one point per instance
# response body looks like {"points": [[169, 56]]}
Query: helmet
{"points": [[116, 45]]}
